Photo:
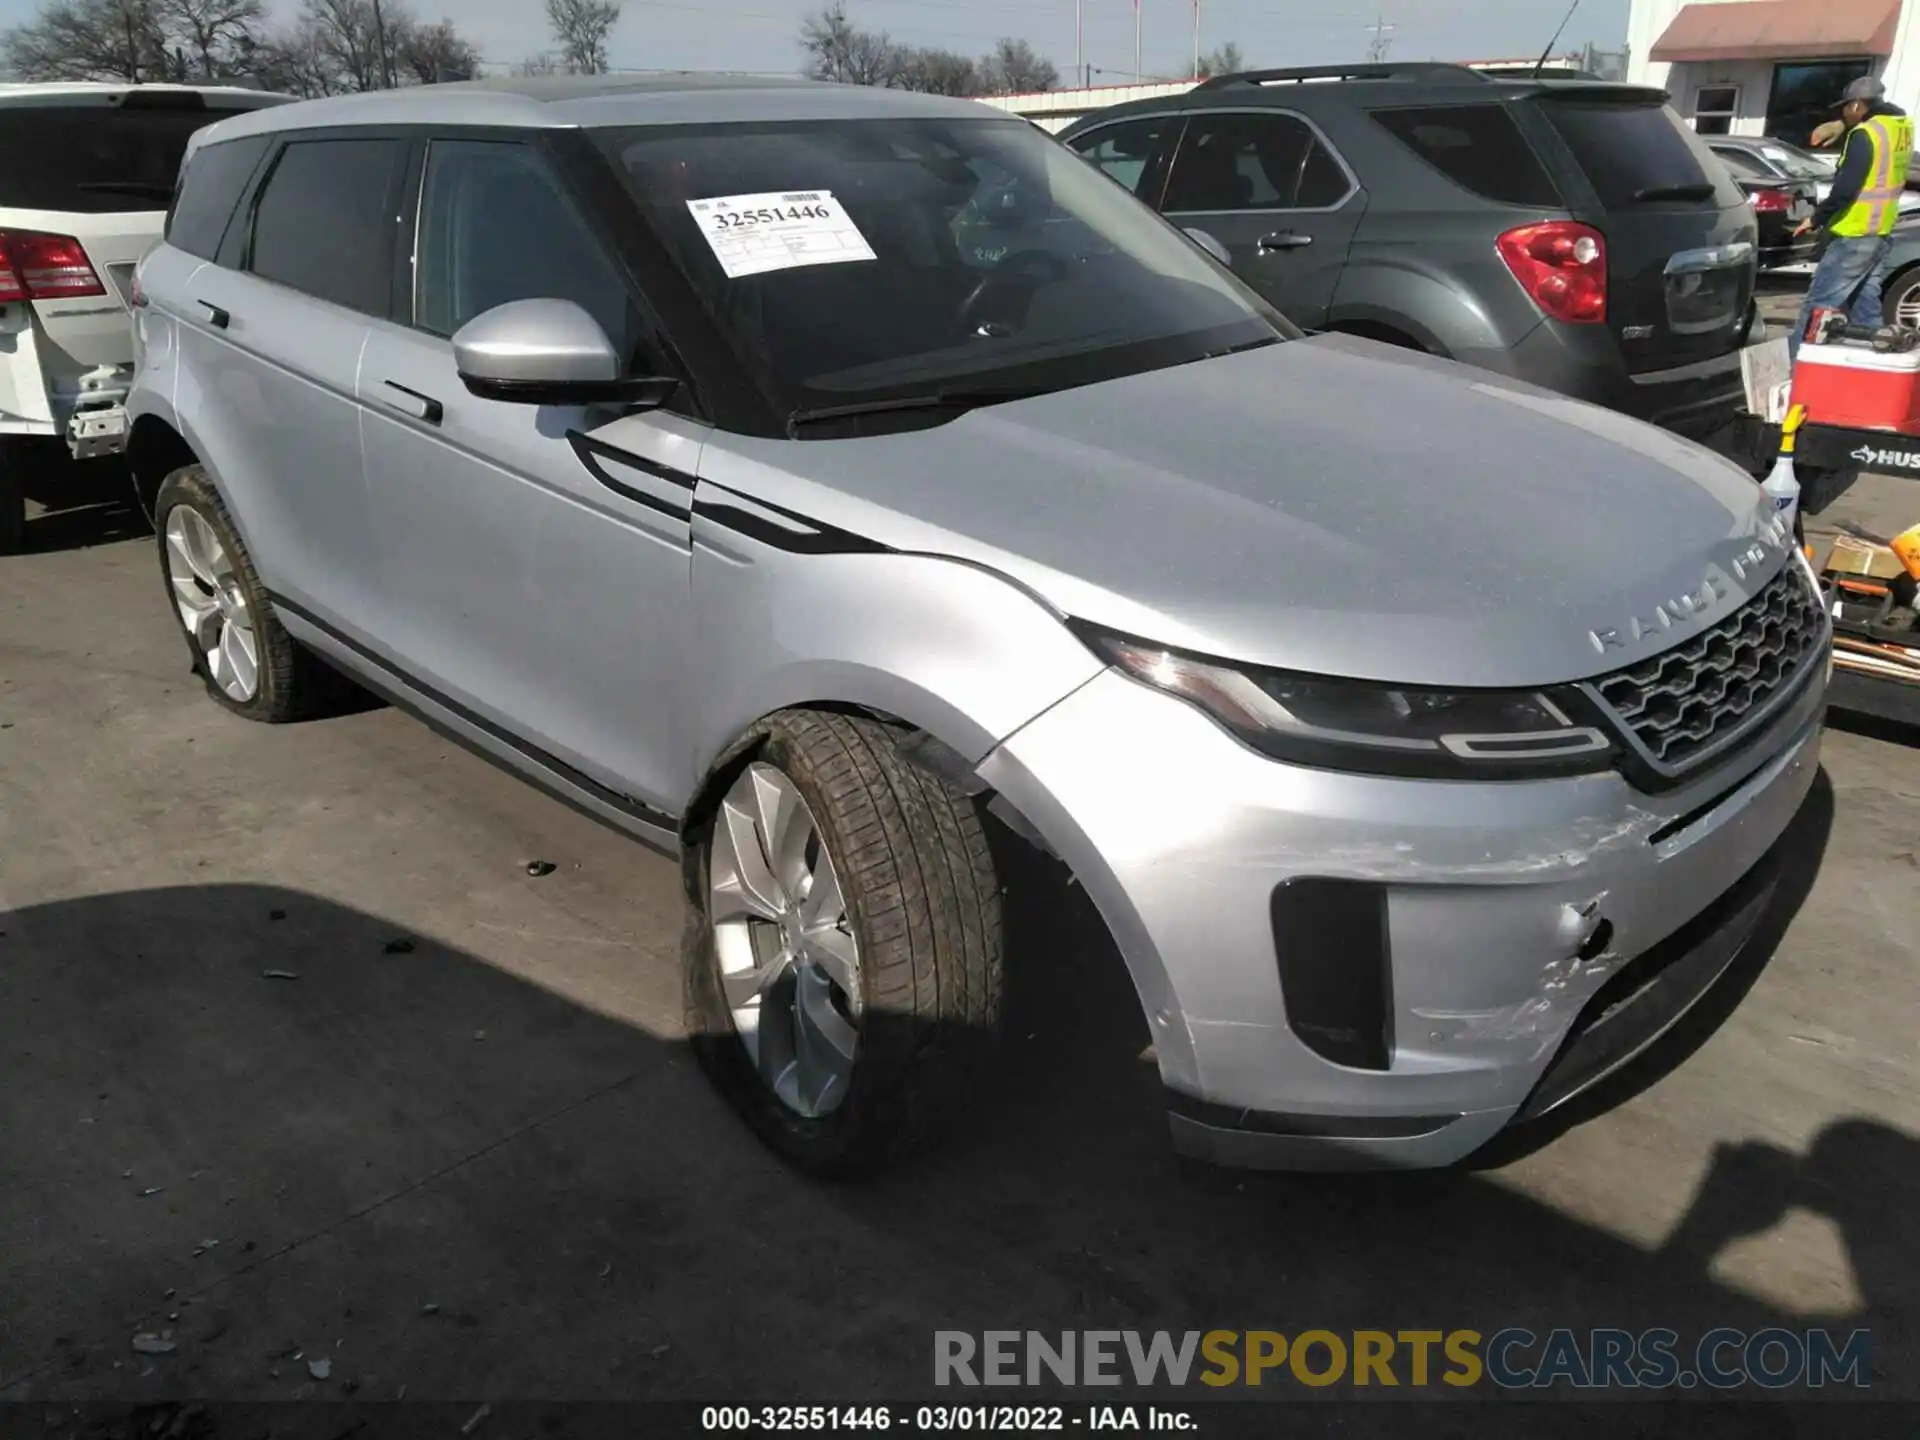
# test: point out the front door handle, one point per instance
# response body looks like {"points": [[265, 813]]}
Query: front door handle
{"points": [[423, 408], [219, 318], [1283, 240]]}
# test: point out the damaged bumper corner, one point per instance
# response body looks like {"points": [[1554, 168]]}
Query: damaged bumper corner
{"points": [[1465, 928]]}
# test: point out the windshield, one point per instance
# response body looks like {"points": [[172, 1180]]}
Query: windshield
{"points": [[849, 261]]}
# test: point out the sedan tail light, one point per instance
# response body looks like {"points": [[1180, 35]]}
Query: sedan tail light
{"points": [[36, 266], [1771, 202], [1562, 265]]}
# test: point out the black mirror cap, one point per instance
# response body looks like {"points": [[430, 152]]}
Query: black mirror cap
{"points": [[639, 392]]}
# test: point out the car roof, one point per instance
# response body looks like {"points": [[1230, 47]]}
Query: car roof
{"points": [[599, 101], [108, 92], [1369, 87]]}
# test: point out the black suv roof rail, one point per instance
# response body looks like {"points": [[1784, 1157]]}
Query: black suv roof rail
{"points": [[1407, 70]]}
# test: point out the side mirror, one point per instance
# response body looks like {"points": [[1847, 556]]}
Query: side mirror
{"points": [[549, 352], [1212, 246]]}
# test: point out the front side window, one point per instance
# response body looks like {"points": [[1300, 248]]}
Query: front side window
{"points": [[325, 222], [1122, 152], [851, 260], [1251, 162], [496, 227]]}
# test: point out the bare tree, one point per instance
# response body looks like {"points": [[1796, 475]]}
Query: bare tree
{"points": [[90, 40], [1228, 59], [297, 61], [1014, 67], [937, 72], [582, 28], [538, 65], [837, 49], [434, 54], [212, 35]]}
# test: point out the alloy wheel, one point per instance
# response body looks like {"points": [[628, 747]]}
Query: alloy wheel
{"points": [[212, 604], [789, 965]]}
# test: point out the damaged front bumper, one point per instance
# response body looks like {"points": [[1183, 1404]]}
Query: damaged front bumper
{"points": [[1342, 970]]}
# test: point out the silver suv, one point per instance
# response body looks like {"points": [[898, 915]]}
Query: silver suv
{"points": [[814, 480]]}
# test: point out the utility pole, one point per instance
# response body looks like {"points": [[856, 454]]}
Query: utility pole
{"points": [[1196, 39], [1136, 39], [1382, 41], [380, 39], [1080, 42]]}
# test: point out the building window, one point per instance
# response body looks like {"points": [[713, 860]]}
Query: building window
{"points": [[1804, 95], [1714, 107]]}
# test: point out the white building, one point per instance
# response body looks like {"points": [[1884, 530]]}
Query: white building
{"points": [[1771, 67]]}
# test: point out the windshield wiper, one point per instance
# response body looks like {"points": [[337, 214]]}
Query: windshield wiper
{"points": [[1702, 190], [128, 187], [958, 401]]}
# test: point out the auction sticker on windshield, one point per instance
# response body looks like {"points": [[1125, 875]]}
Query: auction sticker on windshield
{"points": [[752, 234]]}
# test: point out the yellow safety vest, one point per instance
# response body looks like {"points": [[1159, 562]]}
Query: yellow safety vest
{"points": [[1891, 137]]}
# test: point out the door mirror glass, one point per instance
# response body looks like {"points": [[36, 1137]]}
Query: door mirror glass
{"points": [[1207, 243], [548, 352]]}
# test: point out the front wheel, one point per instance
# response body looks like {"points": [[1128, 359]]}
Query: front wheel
{"points": [[843, 959]]}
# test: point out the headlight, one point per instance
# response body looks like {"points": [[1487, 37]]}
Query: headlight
{"points": [[1387, 729]]}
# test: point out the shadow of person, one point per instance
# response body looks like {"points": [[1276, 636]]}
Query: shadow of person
{"points": [[1859, 1174]]}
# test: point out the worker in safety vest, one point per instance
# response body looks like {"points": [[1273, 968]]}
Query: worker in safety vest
{"points": [[1860, 209]]}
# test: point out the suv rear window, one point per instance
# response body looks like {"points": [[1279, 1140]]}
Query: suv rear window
{"points": [[94, 159], [1632, 152], [1475, 146]]}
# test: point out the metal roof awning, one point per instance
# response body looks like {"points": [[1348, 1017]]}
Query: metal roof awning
{"points": [[1779, 30]]}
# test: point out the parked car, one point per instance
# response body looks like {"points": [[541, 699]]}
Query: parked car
{"points": [[1779, 203], [1573, 233], [663, 441], [86, 172], [1900, 291]]}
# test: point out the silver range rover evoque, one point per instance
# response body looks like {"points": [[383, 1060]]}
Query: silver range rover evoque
{"points": [[810, 479]]}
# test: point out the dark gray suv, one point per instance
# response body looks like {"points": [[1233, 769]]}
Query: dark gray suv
{"points": [[1573, 233]]}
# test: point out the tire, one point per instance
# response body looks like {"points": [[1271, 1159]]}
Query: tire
{"points": [[287, 683], [922, 922], [1902, 289], [13, 505]]}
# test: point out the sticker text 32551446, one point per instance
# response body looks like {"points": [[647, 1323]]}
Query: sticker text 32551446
{"points": [[778, 230]]}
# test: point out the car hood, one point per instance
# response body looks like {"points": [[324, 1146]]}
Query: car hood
{"points": [[1327, 505]]}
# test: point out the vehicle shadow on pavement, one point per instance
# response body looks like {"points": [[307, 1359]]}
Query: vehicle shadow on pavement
{"points": [[81, 505], [265, 1130]]}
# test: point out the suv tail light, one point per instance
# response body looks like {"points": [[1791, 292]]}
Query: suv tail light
{"points": [[34, 266], [1562, 265], [1772, 202]]}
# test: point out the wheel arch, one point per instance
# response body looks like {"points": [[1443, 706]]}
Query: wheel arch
{"points": [[155, 449]]}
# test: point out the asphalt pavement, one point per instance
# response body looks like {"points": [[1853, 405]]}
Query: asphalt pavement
{"points": [[303, 1065]]}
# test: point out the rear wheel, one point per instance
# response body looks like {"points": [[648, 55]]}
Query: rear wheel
{"points": [[250, 664], [843, 959], [13, 507]]}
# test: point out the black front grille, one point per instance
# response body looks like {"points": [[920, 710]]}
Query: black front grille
{"points": [[1683, 701]]}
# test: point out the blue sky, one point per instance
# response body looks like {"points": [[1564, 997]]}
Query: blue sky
{"points": [[759, 34]]}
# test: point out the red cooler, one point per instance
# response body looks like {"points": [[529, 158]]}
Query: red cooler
{"points": [[1851, 386]]}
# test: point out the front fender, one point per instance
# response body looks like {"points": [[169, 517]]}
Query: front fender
{"points": [[947, 646]]}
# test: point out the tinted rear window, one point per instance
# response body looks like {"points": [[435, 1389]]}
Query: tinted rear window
{"points": [[94, 159], [1631, 151], [1476, 146], [324, 224], [209, 192]]}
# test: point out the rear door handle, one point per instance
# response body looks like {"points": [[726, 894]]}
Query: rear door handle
{"points": [[220, 318], [1283, 240], [423, 408]]}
